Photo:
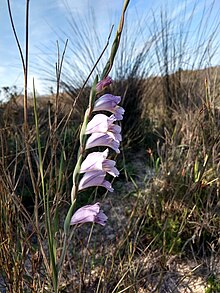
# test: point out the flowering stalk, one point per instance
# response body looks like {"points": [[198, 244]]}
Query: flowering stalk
{"points": [[102, 131]]}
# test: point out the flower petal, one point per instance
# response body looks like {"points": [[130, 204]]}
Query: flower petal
{"points": [[94, 161], [109, 167], [99, 123], [89, 213], [101, 218], [103, 139], [97, 161], [119, 112], [95, 178], [110, 103], [106, 102]]}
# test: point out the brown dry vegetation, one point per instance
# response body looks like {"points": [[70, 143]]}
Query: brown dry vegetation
{"points": [[166, 237]]}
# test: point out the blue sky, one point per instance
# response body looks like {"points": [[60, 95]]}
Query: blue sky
{"points": [[49, 23]]}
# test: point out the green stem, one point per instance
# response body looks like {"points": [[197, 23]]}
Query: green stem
{"points": [[116, 42], [66, 232]]}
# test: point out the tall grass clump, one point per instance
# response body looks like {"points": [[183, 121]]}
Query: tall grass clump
{"points": [[188, 42]]}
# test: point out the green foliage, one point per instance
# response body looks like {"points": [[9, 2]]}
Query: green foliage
{"points": [[164, 233], [213, 284]]}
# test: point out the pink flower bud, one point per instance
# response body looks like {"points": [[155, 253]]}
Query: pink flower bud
{"points": [[101, 85]]}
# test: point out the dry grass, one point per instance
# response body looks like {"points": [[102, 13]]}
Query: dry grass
{"points": [[166, 238]]}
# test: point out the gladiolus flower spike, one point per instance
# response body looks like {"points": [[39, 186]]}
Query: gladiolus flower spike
{"points": [[96, 132], [102, 131]]}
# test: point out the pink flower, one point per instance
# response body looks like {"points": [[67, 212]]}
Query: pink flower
{"points": [[89, 213], [103, 139], [101, 85], [101, 123], [110, 103], [97, 161], [95, 178]]}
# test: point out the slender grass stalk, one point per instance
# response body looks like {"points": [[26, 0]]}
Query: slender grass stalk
{"points": [[16, 36], [61, 165], [26, 69], [45, 196], [24, 61], [84, 259]]}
